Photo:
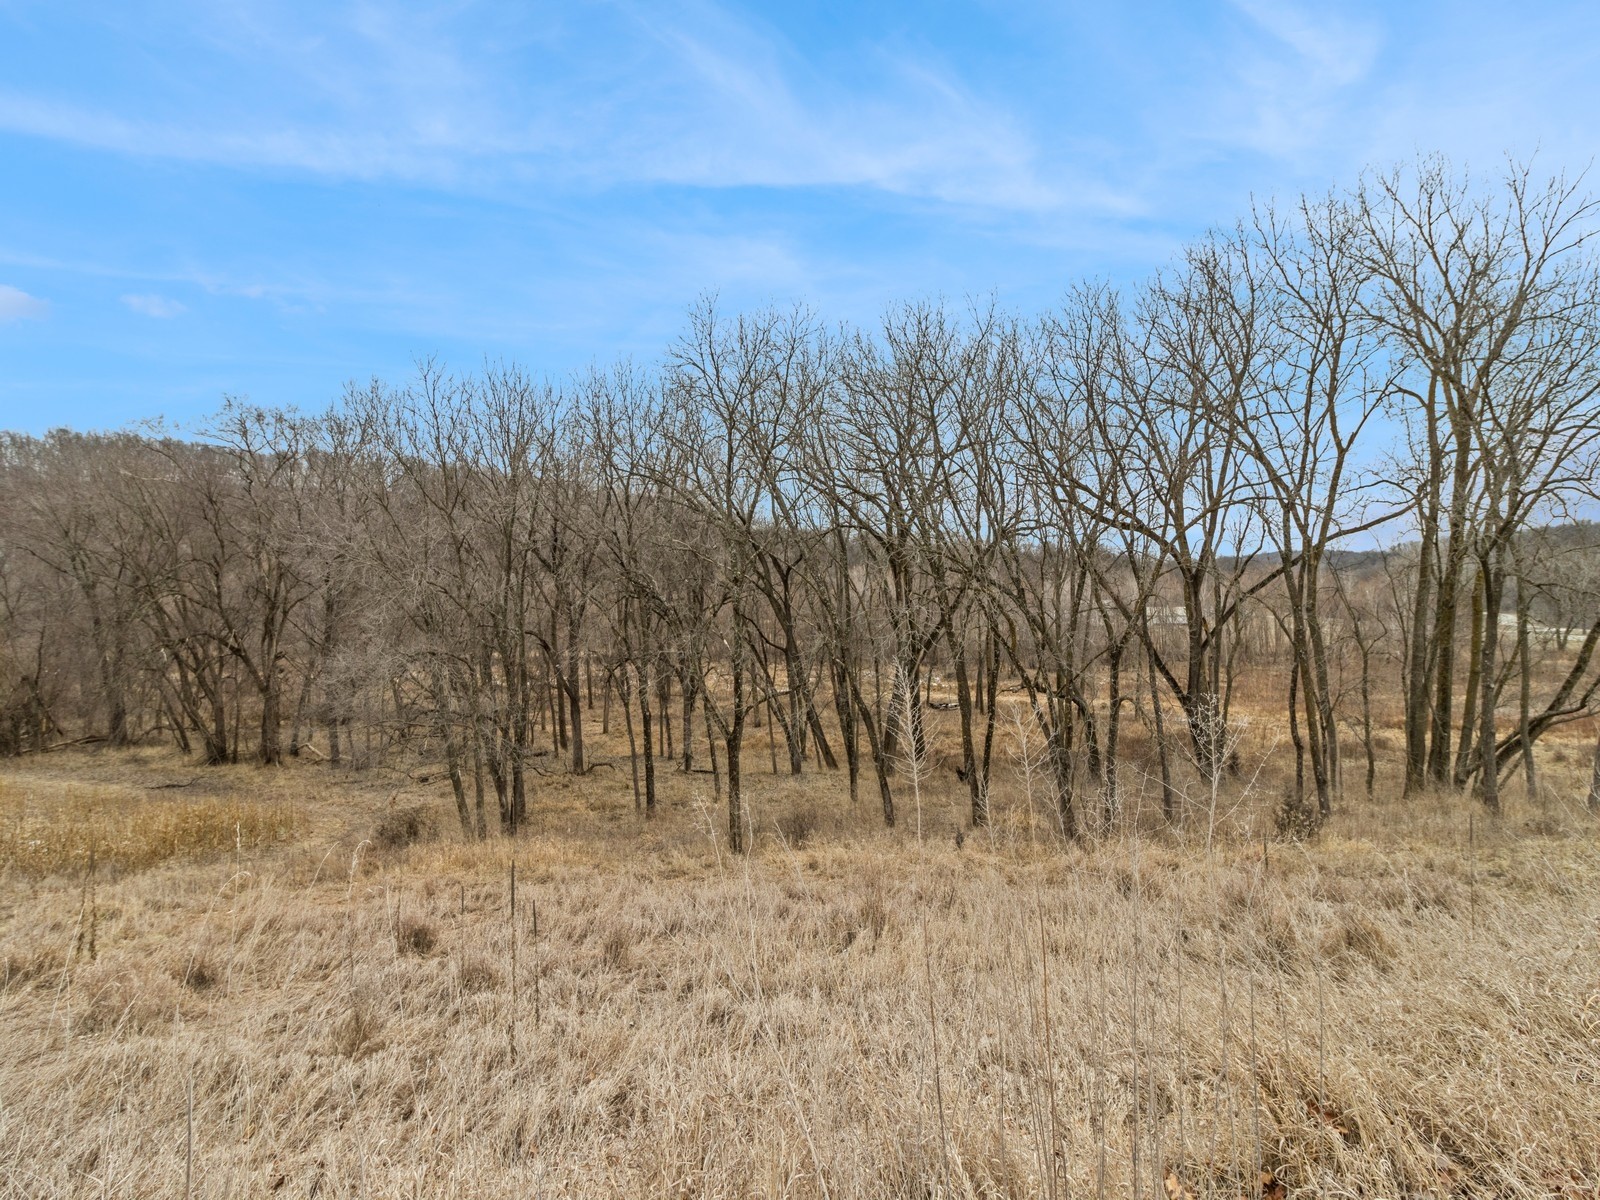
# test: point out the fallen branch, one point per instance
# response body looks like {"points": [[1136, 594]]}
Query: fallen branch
{"points": [[83, 741]]}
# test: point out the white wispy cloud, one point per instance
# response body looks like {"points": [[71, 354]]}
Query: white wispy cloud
{"points": [[1296, 81], [1339, 50], [689, 94], [345, 153], [17, 305], [153, 305], [729, 102]]}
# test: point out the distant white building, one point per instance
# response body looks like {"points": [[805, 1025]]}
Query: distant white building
{"points": [[1536, 632], [1167, 614]]}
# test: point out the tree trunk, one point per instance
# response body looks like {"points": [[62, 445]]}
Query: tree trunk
{"points": [[978, 799], [571, 683], [1109, 796], [1469, 706], [844, 712], [452, 753], [1525, 691], [633, 742], [649, 752], [1489, 770], [987, 696], [1169, 796], [690, 694], [1594, 778], [880, 760], [271, 750], [738, 839], [1418, 664], [1366, 719], [298, 720]]}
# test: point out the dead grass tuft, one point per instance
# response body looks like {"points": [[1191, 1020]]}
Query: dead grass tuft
{"points": [[1358, 935], [200, 974], [616, 948], [477, 975], [120, 998], [29, 958], [357, 1033], [416, 936]]}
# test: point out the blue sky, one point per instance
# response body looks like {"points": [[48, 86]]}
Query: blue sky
{"points": [[231, 197]]}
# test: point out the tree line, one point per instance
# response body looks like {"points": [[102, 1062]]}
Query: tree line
{"points": [[1109, 510]]}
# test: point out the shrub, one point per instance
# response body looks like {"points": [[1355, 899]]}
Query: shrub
{"points": [[416, 936], [797, 826], [402, 827]]}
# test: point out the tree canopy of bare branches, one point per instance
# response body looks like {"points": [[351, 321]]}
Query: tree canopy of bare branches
{"points": [[1114, 507]]}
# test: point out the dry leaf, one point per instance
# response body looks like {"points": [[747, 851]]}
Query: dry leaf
{"points": [[1175, 1188], [1328, 1116]]}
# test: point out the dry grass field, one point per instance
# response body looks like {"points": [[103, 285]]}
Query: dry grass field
{"points": [[302, 983]]}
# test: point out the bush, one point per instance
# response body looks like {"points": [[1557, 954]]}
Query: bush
{"points": [[416, 936], [402, 827], [797, 826]]}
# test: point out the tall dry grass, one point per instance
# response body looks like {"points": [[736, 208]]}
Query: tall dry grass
{"points": [[1397, 1009], [58, 828]]}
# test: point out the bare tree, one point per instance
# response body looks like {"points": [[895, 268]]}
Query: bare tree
{"points": [[1464, 281]]}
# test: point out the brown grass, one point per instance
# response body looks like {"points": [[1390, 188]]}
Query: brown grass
{"points": [[60, 829], [845, 1013]]}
